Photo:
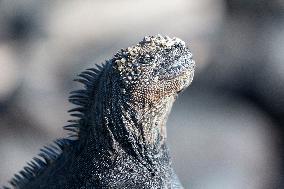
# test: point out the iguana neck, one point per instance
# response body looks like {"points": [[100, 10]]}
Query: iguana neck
{"points": [[117, 122]]}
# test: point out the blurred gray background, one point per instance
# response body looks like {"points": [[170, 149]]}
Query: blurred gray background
{"points": [[224, 132]]}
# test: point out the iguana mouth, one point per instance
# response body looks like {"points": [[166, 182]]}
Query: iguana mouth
{"points": [[179, 91]]}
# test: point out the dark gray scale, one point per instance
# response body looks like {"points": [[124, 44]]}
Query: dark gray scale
{"points": [[118, 136]]}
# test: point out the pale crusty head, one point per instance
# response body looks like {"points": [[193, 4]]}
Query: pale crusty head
{"points": [[155, 68]]}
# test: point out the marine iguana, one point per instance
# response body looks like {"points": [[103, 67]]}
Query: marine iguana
{"points": [[119, 134]]}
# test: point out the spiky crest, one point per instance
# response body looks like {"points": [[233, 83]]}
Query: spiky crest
{"points": [[82, 98]]}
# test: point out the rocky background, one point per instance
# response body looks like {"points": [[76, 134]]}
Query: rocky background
{"points": [[225, 131]]}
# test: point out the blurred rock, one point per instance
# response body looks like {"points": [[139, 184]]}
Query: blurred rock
{"points": [[9, 73], [219, 141]]}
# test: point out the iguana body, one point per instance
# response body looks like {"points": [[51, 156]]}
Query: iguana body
{"points": [[120, 130]]}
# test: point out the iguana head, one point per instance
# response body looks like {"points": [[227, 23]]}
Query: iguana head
{"points": [[144, 81], [156, 68], [129, 98]]}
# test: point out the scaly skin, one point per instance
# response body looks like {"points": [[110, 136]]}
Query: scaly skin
{"points": [[121, 131]]}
